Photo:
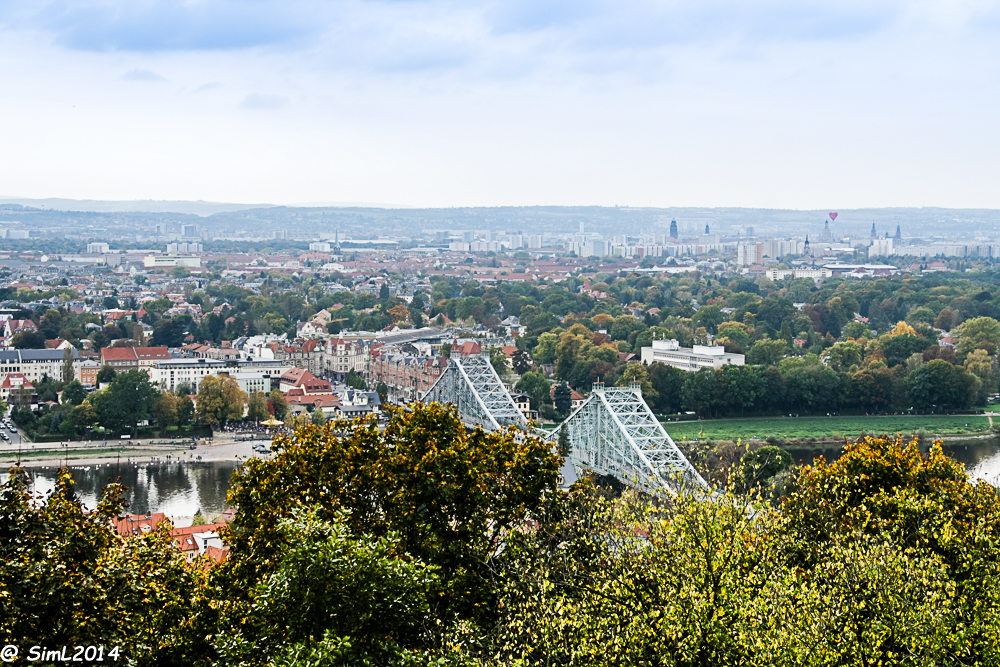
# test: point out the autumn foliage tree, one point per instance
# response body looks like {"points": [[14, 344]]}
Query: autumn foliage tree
{"points": [[441, 494], [220, 400]]}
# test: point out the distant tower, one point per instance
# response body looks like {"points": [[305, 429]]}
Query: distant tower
{"points": [[336, 242], [805, 248], [673, 229], [581, 227], [874, 233], [826, 235], [899, 236], [706, 229]]}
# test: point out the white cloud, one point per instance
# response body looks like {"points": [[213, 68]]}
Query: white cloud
{"points": [[437, 102]]}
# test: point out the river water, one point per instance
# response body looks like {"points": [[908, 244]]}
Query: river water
{"points": [[178, 490], [181, 489]]}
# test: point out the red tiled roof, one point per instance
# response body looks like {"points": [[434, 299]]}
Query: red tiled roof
{"points": [[118, 353], [135, 524]]}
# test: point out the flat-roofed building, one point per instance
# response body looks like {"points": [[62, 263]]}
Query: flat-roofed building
{"points": [[691, 359]]}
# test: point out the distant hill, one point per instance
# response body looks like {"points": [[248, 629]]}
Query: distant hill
{"points": [[202, 208]]}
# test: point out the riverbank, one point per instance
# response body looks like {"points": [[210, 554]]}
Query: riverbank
{"points": [[78, 454], [809, 431]]}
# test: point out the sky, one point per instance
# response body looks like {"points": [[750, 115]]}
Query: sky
{"points": [[772, 103]]}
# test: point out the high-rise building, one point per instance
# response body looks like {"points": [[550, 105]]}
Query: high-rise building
{"points": [[189, 231], [673, 229], [706, 230]]}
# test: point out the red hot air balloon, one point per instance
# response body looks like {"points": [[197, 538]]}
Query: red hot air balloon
{"points": [[833, 216]]}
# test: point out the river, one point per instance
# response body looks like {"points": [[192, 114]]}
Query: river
{"points": [[181, 489]]}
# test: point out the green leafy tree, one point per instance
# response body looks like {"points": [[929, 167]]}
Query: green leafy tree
{"points": [[79, 583], [318, 417], [535, 385], [767, 352], [332, 597], [975, 331], [128, 400], [382, 389], [498, 359], [28, 340], [521, 361], [67, 366], [565, 448], [257, 407], [106, 374], [356, 381], [450, 494], [278, 403], [940, 384], [638, 373], [74, 393], [563, 398]]}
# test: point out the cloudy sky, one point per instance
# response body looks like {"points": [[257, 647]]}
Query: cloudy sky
{"points": [[772, 103]]}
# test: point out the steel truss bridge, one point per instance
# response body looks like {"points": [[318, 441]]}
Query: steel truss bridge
{"points": [[612, 433]]}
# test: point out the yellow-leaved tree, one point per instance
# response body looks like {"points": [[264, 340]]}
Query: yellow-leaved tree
{"points": [[220, 400]]}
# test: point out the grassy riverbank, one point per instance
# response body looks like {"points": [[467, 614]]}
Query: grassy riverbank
{"points": [[812, 429]]}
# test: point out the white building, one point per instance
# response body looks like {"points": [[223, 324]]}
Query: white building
{"points": [[319, 246], [670, 352], [170, 261], [748, 254], [97, 248], [880, 248]]}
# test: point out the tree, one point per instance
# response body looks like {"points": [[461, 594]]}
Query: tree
{"points": [[398, 313], [28, 340], [983, 366], [355, 381], [318, 417], [79, 583], [521, 361], [257, 407], [564, 446], [67, 366], [760, 466], [498, 359], [975, 331], [333, 597], [842, 356], [74, 393], [382, 389], [106, 374], [220, 400], [128, 400], [168, 332], [767, 352], [563, 398], [940, 384], [667, 382], [383, 292], [450, 495], [185, 410], [535, 385], [636, 372], [166, 411], [278, 403]]}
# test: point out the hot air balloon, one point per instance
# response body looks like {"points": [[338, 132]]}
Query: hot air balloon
{"points": [[833, 215]]}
